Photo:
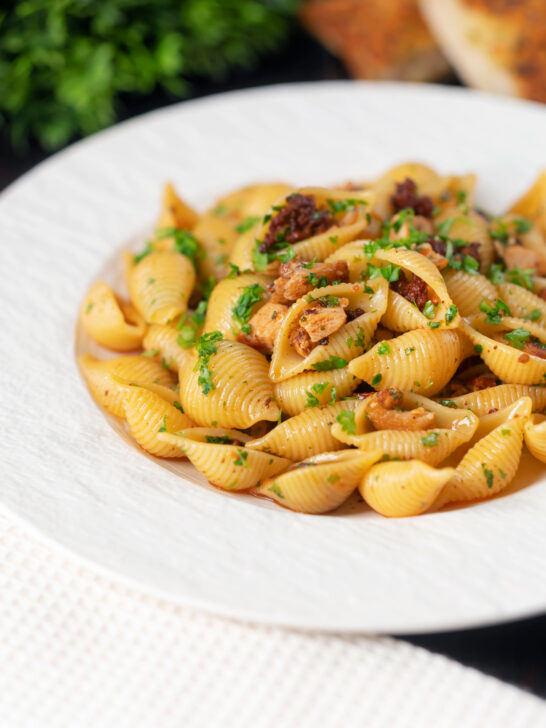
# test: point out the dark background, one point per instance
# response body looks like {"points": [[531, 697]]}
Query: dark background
{"points": [[514, 652]]}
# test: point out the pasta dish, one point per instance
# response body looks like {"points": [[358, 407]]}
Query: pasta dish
{"points": [[386, 337]]}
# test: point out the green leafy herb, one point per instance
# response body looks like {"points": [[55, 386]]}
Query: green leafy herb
{"points": [[206, 347], [89, 307], [429, 310], [478, 348], [488, 475], [376, 379], [496, 273], [150, 352], [178, 406], [518, 337], [360, 339], [275, 489], [522, 225], [184, 242], [242, 457], [494, 312], [163, 427], [233, 271], [317, 388], [505, 432], [259, 260], [434, 324], [383, 348], [533, 315], [408, 350], [148, 248], [389, 272], [241, 311], [332, 478], [447, 403], [317, 282], [246, 224], [334, 362], [520, 277], [431, 440], [347, 421], [470, 265], [338, 206], [451, 313]]}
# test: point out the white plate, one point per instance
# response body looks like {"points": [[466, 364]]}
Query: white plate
{"points": [[67, 473]]}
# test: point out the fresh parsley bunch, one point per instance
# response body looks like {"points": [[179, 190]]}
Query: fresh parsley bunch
{"points": [[65, 63]]}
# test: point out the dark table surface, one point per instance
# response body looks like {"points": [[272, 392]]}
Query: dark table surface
{"points": [[514, 652]]}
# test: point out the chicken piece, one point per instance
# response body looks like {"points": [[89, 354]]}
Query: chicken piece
{"points": [[297, 278], [320, 320], [299, 340], [535, 348], [264, 326], [383, 416], [516, 256], [428, 251]]}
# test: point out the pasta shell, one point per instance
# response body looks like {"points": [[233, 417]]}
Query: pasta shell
{"points": [[217, 238], [468, 291], [162, 338], [535, 436], [472, 228], [507, 363], [489, 466], [304, 435], [174, 211], [225, 296], [533, 203], [160, 285], [484, 401], [404, 316], [353, 254], [235, 401], [110, 322], [99, 376], [422, 361], [148, 412], [403, 489], [319, 484], [452, 428], [229, 466], [293, 394], [523, 303], [286, 362]]}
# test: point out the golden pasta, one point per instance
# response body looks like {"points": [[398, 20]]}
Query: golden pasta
{"points": [[289, 342]]}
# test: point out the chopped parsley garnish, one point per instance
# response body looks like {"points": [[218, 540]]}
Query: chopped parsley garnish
{"points": [[332, 478], [334, 362], [275, 489], [506, 432], [517, 276], [150, 352], [149, 248], [522, 225], [219, 439], [317, 388], [206, 347], [383, 348], [470, 265], [317, 282], [242, 309], [429, 310], [494, 312], [451, 313], [242, 458], [376, 379], [518, 337], [338, 206], [408, 350], [478, 348], [488, 475], [233, 271], [360, 339], [447, 403], [184, 242], [89, 306], [188, 326], [389, 272], [163, 427], [178, 406], [246, 224], [431, 440], [260, 260], [500, 233], [434, 324], [347, 421], [533, 315]]}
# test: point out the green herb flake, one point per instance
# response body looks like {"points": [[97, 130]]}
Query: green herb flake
{"points": [[163, 427], [383, 348], [488, 475], [242, 457], [434, 324], [522, 225], [431, 440], [233, 271], [150, 352], [408, 350], [478, 348], [219, 439], [506, 432], [347, 421], [246, 224], [451, 313], [429, 310], [376, 379], [178, 406], [533, 315], [242, 309], [494, 312], [334, 362], [149, 248], [518, 337], [389, 272], [275, 489], [447, 403], [332, 478], [206, 347]]}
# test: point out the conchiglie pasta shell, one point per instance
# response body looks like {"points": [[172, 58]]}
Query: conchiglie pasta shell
{"points": [[174, 211], [224, 296], [99, 376], [496, 398], [227, 466], [319, 484], [535, 437], [146, 411], [304, 435], [163, 338], [533, 202], [453, 428], [490, 465], [472, 228], [217, 238], [468, 291], [160, 285], [110, 322], [291, 394], [403, 489], [404, 316], [504, 360], [353, 254], [422, 361], [243, 392], [521, 302], [286, 362]]}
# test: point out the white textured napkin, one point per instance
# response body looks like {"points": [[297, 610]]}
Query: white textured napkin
{"points": [[79, 649]]}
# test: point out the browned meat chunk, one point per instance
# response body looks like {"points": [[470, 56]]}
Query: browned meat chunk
{"points": [[481, 382], [382, 413], [320, 321], [472, 249], [535, 348], [405, 195], [429, 252], [264, 326], [299, 340], [542, 294], [298, 219], [297, 278], [414, 290]]}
